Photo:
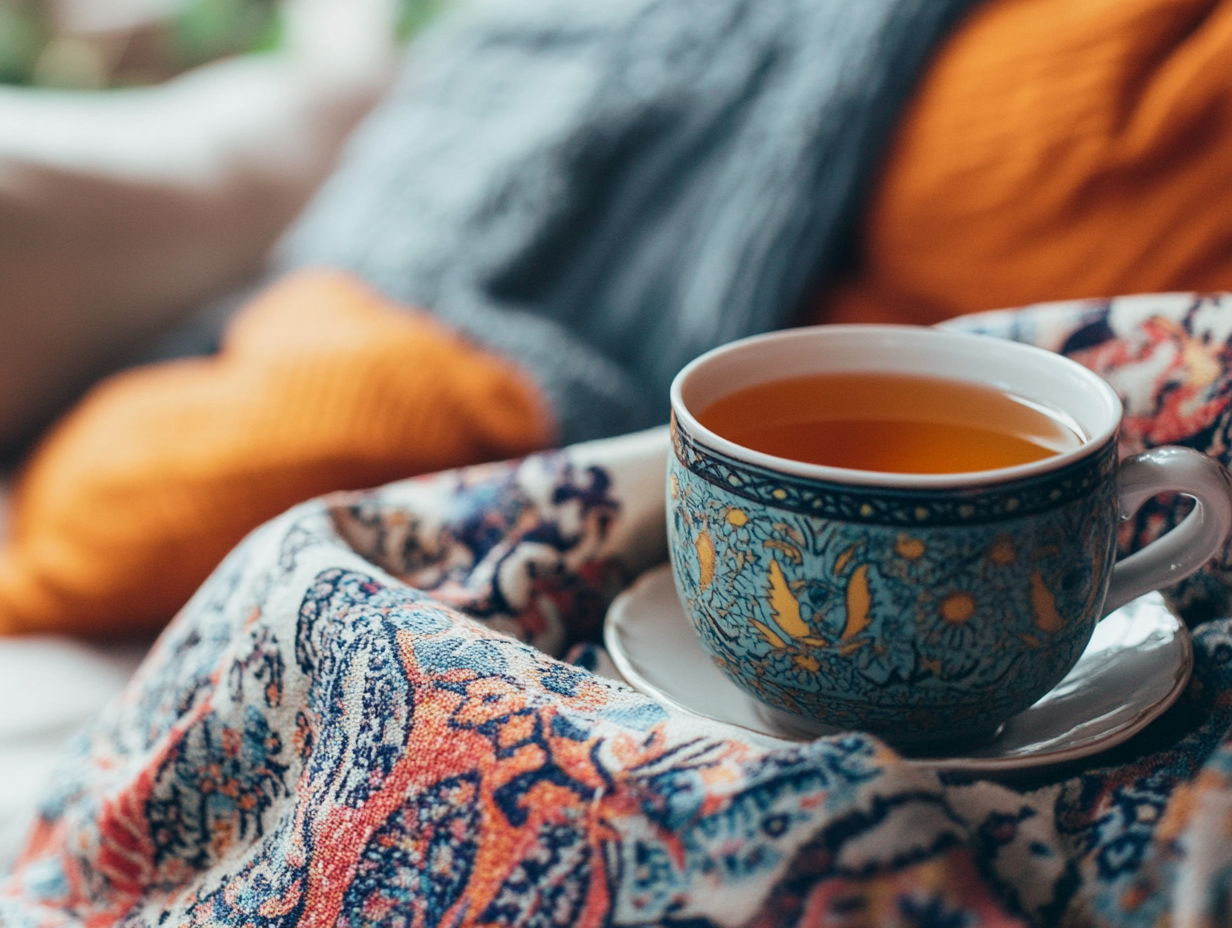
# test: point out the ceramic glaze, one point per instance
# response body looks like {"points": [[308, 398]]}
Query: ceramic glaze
{"points": [[921, 607], [890, 610], [1135, 666]]}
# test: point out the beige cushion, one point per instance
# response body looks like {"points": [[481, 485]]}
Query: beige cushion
{"points": [[121, 211]]}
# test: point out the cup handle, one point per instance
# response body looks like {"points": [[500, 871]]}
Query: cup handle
{"points": [[1184, 549]]}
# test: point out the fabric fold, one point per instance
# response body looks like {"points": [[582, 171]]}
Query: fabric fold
{"points": [[352, 723], [131, 501]]}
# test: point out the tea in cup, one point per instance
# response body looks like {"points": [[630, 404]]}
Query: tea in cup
{"points": [[909, 531]]}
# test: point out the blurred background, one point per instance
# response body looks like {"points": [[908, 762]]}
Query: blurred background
{"points": [[94, 44], [151, 152]]}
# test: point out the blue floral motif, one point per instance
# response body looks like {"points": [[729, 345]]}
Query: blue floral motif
{"points": [[920, 632]]}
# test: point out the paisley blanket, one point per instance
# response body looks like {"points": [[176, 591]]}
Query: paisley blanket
{"points": [[355, 721]]}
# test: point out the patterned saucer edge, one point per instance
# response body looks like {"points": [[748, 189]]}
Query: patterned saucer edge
{"points": [[1136, 665]]}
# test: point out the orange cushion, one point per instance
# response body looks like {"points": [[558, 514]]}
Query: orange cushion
{"points": [[1056, 150], [320, 385]]}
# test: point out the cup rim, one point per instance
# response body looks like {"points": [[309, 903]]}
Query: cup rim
{"points": [[841, 475]]}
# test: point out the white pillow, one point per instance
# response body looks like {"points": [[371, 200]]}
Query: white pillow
{"points": [[122, 210]]}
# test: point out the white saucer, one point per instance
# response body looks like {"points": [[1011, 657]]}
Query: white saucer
{"points": [[1136, 665]]}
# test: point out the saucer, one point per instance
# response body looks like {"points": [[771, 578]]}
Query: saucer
{"points": [[1136, 665]]}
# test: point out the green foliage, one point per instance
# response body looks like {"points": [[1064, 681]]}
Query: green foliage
{"points": [[205, 30], [23, 33], [199, 31], [413, 15]]}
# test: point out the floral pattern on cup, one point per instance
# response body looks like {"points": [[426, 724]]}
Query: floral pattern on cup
{"points": [[1169, 358], [804, 614]]}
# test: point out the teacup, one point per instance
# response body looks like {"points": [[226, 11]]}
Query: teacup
{"points": [[922, 607]]}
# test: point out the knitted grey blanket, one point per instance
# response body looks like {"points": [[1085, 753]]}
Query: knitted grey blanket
{"points": [[604, 189]]}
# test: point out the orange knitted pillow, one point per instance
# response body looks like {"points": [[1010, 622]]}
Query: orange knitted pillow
{"points": [[1056, 150], [320, 385]]}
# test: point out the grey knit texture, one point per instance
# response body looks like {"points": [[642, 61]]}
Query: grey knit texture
{"points": [[604, 189]]}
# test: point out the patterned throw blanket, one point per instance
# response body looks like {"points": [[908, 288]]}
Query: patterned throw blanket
{"points": [[356, 722]]}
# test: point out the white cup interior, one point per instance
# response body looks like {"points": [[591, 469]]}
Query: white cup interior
{"points": [[1041, 376]]}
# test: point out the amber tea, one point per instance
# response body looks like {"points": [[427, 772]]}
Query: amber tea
{"points": [[895, 423]]}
